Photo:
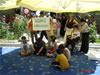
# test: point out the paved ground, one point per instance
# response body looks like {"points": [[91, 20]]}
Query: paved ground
{"points": [[15, 43]]}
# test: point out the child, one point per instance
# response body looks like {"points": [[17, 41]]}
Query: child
{"points": [[65, 51], [75, 36], [58, 28], [61, 60], [24, 47], [52, 48], [39, 48]]}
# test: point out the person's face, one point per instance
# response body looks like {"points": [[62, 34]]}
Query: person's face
{"points": [[41, 15], [51, 39], [23, 40], [63, 17], [62, 49]]}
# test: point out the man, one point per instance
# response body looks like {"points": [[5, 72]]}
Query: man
{"points": [[43, 33]]}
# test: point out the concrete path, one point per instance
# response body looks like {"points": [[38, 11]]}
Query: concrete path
{"points": [[15, 43]]}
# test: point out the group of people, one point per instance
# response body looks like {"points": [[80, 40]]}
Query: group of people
{"points": [[63, 53], [73, 31]]}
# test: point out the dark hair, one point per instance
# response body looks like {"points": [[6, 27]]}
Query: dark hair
{"points": [[82, 20], [58, 20], [41, 12], [23, 38], [61, 46], [53, 38], [59, 51]]}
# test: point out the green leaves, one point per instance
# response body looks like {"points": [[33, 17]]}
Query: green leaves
{"points": [[14, 31], [20, 26], [92, 32]]}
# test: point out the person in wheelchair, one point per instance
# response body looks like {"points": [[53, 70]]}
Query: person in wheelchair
{"points": [[73, 39]]}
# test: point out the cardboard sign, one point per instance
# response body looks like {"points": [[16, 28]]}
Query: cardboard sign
{"points": [[41, 23]]}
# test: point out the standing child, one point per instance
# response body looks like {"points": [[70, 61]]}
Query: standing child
{"points": [[58, 27], [61, 60], [53, 47], [24, 47]]}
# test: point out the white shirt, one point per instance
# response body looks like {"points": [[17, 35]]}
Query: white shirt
{"points": [[68, 53], [76, 34], [26, 44]]}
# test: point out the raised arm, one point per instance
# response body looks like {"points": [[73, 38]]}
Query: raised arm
{"points": [[76, 23], [85, 26]]}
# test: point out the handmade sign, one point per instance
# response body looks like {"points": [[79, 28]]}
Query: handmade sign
{"points": [[41, 23]]}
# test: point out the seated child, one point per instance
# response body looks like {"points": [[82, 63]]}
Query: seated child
{"points": [[24, 47], [61, 60], [74, 38], [52, 48], [39, 47], [65, 51]]}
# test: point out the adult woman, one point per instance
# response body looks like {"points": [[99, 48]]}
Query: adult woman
{"points": [[69, 26], [50, 32], [43, 32], [85, 36]]}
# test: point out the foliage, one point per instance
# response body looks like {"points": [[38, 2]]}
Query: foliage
{"points": [[92, 32], [3, 29], [18, 28], [98, 40]]}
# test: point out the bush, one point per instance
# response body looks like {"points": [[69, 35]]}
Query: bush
{"points": [[92, 32], [98, 40], [3, 29], [19, 27]]}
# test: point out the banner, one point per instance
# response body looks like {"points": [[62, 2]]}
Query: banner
{"points": [[41, 23]]}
